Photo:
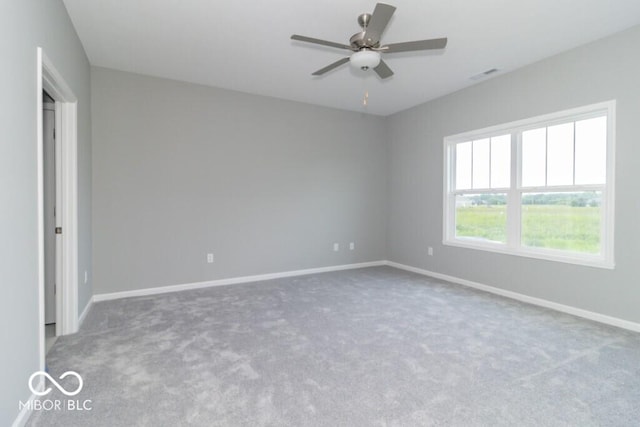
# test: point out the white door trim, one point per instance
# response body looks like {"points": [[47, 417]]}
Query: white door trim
{"points": [[59, 208], [49, 79]]}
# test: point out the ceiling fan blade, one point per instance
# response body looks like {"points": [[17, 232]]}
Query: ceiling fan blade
{"points": [[383, 70], [415, 45], [330, 67], [379, 20], [318, 41]]}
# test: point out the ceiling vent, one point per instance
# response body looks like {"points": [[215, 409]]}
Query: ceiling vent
{"points": [[484, 74]]}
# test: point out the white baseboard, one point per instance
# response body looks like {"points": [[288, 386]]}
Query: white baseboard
{"points": [[23, 416], [231, 281], [591, 315], [27, 410], [84, 313], [598, 317]]}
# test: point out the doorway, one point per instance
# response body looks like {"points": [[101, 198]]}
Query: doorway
{"points": [[65, 259], [51, 188]]}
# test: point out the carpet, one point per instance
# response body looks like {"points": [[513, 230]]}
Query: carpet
{"points": [[369, 347]]}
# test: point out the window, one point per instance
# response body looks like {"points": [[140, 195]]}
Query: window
{"points": [[541, 187]]}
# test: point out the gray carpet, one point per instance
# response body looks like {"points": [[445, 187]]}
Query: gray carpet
{"points": [[369, 347]]}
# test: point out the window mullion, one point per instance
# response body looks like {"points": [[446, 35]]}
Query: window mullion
{"points": [[513, 196], [472, 147], [450, 221], [574, 153], [546, 156], [490, 165]]}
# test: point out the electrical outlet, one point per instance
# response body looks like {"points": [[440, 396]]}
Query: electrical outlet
{"points": [[209, 258], [336, 247], [430, 251], [352, 246], [86, 277]]}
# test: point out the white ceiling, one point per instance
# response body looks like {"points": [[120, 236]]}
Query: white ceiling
{"points": [[245, 45]]}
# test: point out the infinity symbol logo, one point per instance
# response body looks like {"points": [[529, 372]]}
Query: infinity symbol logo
{"points": [[58, 386]]}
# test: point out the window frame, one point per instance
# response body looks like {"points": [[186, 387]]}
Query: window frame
{"points": [[513, 246]]}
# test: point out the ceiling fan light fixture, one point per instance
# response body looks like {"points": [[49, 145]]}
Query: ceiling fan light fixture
{"points": [[365, 59]]}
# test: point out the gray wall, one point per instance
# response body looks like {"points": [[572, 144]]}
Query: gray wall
{"points": [[607, 69], [25, 25], [266, 185]]}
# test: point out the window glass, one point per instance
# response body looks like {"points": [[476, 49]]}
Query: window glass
{"points": [[534, 154], [481, 163], [591, 151], [560, 154], [568, 221], [501, 161], [482, 217], [463, 166]]}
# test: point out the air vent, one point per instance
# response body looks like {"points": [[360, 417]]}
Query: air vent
{"points": [[484, 74]]}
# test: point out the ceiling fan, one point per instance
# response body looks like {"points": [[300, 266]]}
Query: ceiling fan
{"points": [[366, 44]]}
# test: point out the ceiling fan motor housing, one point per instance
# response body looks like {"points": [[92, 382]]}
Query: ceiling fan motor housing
{"points": [[360, 40]]}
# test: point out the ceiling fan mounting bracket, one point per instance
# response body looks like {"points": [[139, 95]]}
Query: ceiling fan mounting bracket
{"points": [[364, 19]]}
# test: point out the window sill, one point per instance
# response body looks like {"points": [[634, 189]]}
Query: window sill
{"points": [[546, 255]]}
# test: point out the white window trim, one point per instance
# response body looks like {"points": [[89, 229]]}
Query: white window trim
{"points": [[603, 260]]}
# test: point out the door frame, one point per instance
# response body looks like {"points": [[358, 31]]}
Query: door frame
{"points": [[50, 79]]}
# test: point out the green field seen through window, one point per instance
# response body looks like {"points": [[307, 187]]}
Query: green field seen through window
{"points": [[565, 221]]}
